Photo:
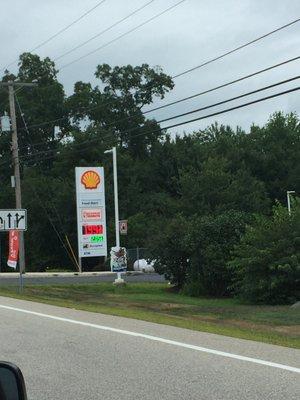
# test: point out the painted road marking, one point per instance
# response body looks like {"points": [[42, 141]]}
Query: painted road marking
{"points": [[157, 339]]}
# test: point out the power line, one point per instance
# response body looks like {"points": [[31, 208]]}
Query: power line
{"points": [[103, 31], [60, 31], [27, 130], [182, 73], [176, 101], [221, 102], [231, 99], [232, 108], [124, 34], [51, 222], [180, 123], [39, 198], [222, 86], [22, 116], [236, 49]]}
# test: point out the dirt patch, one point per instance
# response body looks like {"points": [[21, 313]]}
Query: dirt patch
{"points": [[290, 330], [207, 318], [293, 330]]}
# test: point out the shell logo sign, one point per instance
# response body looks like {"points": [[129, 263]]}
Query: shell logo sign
{"points": [[90, 179]]}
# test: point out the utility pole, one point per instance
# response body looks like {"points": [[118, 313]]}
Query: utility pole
{"points": [[16, 162]]}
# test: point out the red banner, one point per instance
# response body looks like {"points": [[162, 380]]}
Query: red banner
{"points": [[13, 249]]}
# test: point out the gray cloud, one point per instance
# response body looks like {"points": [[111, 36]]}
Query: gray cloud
{"points": [[192, 33]]}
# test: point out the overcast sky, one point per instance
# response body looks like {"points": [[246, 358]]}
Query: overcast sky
{"points": [[188, 35]]}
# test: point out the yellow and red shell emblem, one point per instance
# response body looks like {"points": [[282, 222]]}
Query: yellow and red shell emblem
{"points": [[90, 179]]}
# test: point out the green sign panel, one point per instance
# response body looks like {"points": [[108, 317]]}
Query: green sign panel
{"points": [[97, 238]]}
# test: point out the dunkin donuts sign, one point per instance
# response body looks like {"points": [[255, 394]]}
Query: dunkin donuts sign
{"points": [[91, 214]]}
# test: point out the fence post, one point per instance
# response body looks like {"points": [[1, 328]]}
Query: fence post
{"points": [[138, 257]]}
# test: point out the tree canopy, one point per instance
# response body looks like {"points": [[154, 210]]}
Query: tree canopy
{"points": [[188, 198]]}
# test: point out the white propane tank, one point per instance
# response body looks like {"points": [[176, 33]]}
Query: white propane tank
{"points": [[143, 265]]}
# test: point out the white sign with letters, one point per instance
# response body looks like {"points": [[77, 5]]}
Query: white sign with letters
{"points": [[15, 219], [91, 218], [123, 226]]}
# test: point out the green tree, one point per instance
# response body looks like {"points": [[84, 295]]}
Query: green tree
{"points": [[46, 102], [212, 238], [171, 251], [271, 153], [266, 263], [213, 187], [117, 104]]}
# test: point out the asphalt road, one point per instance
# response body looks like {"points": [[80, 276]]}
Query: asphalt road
{"points": [[77, 355], [74, 279]]}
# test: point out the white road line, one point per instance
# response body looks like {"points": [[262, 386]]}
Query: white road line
{"points": [[157, 339]]}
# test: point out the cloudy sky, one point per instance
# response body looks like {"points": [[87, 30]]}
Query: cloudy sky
{"points": [[188, 35]]}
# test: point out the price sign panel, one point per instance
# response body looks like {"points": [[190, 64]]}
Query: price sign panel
{"points": [[91, 219], [92, 229], [96, 239]]}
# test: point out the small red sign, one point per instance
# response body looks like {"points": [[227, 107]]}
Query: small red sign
{"points": [[13, 248]]}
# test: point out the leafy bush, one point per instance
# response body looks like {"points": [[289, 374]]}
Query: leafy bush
{"points": [[211, 239], [193, 252], [266, 263], [171, 251]]}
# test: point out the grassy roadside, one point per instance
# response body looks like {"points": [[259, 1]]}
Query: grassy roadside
{"points": [[153, 302]]}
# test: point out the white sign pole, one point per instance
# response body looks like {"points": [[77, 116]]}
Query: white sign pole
{"points": [[114, 151], [117, 229]]}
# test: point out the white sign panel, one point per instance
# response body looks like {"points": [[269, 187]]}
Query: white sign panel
{"points": [[91, 217], [5, 123], [91, 214], [123, 227], [15, 219], [118, 259]]}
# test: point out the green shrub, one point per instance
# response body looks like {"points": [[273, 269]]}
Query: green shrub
{"points": [[171, 250], [212, 239], [266, 263], [193, 252]]}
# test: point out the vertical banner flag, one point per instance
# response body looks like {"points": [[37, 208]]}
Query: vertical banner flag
{"points": [[91, 217], [13, 249]]}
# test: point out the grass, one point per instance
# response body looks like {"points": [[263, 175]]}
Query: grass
{"points": [[154, 302]]}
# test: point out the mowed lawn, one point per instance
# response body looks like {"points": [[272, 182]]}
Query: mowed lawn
{"points": [[155, 302]]}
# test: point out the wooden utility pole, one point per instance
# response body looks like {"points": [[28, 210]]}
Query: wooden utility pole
{"points": [[16, 162]]}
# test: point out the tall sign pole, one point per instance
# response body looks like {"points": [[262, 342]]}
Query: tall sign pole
{"points": [[16, 163], [118, 254], [114, 152], [116, 197]]}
